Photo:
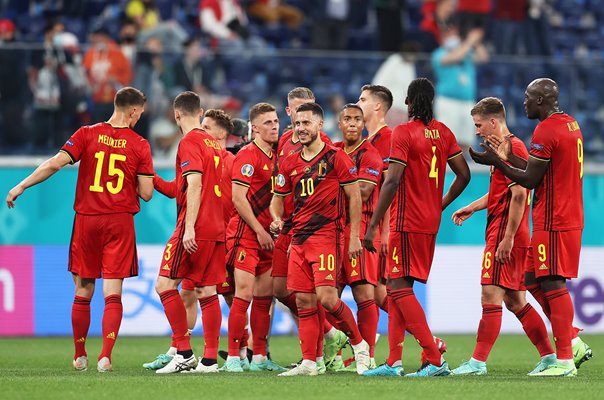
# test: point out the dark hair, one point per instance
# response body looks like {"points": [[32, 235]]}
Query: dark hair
{"points": [[128, 97], [489, 107], [351, 105], [313, 107], [300, 93], [420, 96], [382, 93], [187, 103], [259, 109], [221, 118]]}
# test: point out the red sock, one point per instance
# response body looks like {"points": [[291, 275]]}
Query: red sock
{"points": [[237, 322], [177, 317], [539, 295], [535, 329], [260, 321], [488, 330], [367, 318], [384, 306], [321, 337], [80, 322], [415, 320], [112, 319], [330, 321], [244, 338], [290, 302], [308, 332], [562, 314], [211, 318], [396, 333], [342, 313], [326, 324]]}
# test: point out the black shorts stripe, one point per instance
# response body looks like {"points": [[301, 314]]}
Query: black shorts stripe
{"points": [[70, 261], [178, 253]]}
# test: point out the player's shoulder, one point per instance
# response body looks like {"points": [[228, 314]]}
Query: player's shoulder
{"points": [[339, 145], [325, 138], [227, 155], [287, 135]]}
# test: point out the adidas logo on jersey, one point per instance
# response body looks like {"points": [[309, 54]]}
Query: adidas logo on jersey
{"points": [[111, 336], [486, 275], [542, 267], [329, 277], [225, 284], [354, 273], [166, 267], [280, 154], [265, 167], [294, 173], [395, 269]]}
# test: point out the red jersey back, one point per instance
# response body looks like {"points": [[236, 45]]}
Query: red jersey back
{"points": [[254, 169], [111, 159], [319, 201], [200, 153], [498, 206], [369, 164], [558, 200], [424, 150], [226, 185], [381, 140]]}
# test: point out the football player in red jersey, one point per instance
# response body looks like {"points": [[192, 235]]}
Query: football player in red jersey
{"points": [[320, 177], [421, 150], [115, 170], [196, 250], [249, 244], [362, 273], [555, 170], [507, 248]]}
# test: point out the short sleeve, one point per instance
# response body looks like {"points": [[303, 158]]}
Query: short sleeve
{"points": [[369, 168], [145, 165], [190, 155], [75, 145], [283, 183], [454, 150], [345, 169], [401, 142], [542, 144], [243, 168]]}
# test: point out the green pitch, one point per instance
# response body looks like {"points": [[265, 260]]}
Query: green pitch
{"points": [[41, 369]]}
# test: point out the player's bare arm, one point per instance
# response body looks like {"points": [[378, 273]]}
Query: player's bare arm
{"points": [[193, 204], [389, 188], [528, 178], [466, 212], [385, 234], [167, 188], [244, 209], [366, 190], [515, 214], [503, 148], [276, 209], [460, 168], [355, 207], [43, 172], [144, 187]]}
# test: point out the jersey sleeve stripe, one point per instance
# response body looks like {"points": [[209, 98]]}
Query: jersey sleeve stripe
{"points": [[396, 160], [539, 158], [191, 172], [241, 183], [348, 182], [145, 174], [512, 184], [282, 194], [367, 181], [68, 155], [454, 155]]}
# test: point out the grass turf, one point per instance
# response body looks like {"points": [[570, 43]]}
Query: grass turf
{"points": [[40, 368]]}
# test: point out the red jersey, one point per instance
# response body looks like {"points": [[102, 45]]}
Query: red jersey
{"points": [[226, 185], [498, 206], [254, 169], [424, 151], [286, 147], [381, 140], [111, 159], [200, 153], [474, 6], [369, 164], [319, 201], [558, 200]]}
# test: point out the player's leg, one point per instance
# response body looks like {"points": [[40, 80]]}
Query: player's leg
{"points": [[80, 319], [244, 292], [279, 273], [367, 314], [515, 301], [211, 318], [112, 319]]}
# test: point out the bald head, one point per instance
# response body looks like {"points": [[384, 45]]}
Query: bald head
{"points": [[545, 87], [541, 98]]}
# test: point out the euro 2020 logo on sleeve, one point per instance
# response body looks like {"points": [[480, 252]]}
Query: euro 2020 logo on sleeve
{"points": [[247, 170]]}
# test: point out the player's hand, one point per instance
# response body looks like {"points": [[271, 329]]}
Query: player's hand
{"points": [[265, 240], [354, 248], [13, 194], [276, 226], [503, 147], [461, 215], [504, 251], [188, 241], [384, 237], [488, 157], [368, 240]]}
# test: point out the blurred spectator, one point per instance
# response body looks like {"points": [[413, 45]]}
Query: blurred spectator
{"points": [[455, 72], [510, 16], [538, 41], [108, 71], [12, 77], [164, 136], [396, 73], [472, 14], [332, 113], [437, 15], [193, 71], [275, 11], [389, 24], [144, 13], [146, 16], [240, 135], [127, 40], [330, 24], [224, 21]]}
